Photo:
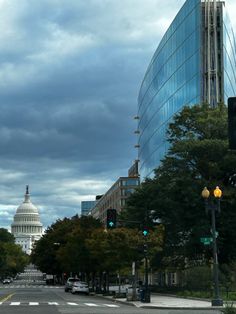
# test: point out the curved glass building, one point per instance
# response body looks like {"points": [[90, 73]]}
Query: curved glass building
{"points": [[195, 62]]}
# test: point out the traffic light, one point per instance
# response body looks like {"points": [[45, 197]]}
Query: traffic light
{"points": [[232, 122], [111, 218], [145, 248], [145, 231]]}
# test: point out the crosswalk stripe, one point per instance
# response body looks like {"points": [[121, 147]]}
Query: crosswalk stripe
{"points": [[31, 287], [56, 303], [71, 303], [33, 303], [90, 304], [111, 305]]}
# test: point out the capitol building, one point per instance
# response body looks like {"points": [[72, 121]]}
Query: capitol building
{"points": [[26, 226]]}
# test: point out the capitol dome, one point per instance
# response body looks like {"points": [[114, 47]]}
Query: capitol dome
{"points": [[26, 226], [27, 206]]}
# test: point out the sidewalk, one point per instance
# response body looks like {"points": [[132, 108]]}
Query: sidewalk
{"points": [[169, 302]]}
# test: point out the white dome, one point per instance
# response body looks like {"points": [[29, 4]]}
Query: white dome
{"points": [[27, 219], [27, 207]]}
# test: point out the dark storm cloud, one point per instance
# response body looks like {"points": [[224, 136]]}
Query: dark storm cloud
{"points": [[70, 72]]}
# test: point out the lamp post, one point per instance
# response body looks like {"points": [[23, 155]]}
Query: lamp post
{"points": [[213, 205]]}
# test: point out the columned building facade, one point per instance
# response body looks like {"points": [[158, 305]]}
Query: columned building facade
{"points": [[26, 226], [194, 63]]}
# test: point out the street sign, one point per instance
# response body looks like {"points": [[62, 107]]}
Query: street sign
{"points": [[206, 241], [216, 233]]}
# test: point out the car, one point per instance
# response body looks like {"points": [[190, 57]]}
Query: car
{"points": [[69, 283], [80, 287], [6, 281]]}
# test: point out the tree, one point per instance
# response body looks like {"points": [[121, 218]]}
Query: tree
{"points": [[12, 258], [61, 249], [198, 156], [44, 254]]}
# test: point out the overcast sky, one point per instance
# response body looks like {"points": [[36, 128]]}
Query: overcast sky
{"points": [[70, 72]]}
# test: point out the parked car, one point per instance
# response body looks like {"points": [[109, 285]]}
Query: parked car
{"points": [[69, 283], [80, 287], [6, 281], [114, 289]]}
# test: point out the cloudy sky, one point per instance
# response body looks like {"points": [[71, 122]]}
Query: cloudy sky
{"points": [[70, 72]]}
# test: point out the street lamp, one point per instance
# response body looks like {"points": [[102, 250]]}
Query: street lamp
{"points": [[213, 205]]}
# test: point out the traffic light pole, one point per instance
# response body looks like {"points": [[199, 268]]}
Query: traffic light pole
{"points": [[146, 296]]}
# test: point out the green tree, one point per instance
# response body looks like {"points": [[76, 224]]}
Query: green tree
{"points": [[198, 156], [12, 258], [6, 236], [62, 249], [44, 254]]}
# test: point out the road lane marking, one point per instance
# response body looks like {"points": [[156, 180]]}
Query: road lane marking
{"points": [[71, 303], [15, 303], [56, 303], [111, 305], [90, 304], [33, 303]]}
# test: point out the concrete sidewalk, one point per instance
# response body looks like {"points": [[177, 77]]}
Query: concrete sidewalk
{"points": [[161, 301], [169, 302]]}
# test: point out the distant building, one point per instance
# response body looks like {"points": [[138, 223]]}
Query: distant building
{"points": [[86, 206], [116, 196], [133, 170], [26, 226]]}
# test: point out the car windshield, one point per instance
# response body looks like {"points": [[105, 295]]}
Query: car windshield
{"points": [[72, 280]]}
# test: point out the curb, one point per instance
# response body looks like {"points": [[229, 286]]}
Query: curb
{"points": [[115, 300]]}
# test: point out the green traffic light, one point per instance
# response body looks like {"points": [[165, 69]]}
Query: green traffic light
{"points": [[145, 233], [111, 223]]}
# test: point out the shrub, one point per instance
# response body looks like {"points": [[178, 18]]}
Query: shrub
{"points": [[229, 308]]}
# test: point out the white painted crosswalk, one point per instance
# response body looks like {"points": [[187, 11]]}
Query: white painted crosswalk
{"points": [[58, 304], [15, 303], [30, 286]]}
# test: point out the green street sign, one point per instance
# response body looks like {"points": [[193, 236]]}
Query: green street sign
{"points": [[206, 241]]}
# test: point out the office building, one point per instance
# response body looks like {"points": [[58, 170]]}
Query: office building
{"points": [[86, 206], [195, 62], [116, 196]]}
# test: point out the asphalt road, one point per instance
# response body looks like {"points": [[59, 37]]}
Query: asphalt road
{"points": [[21, 299]]}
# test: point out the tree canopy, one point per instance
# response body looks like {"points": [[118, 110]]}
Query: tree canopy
{"points": [[198, 156], [12, 258]]}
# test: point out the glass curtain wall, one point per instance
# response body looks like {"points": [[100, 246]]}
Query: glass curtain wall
{"points": [[229, 53], [171, 81]]}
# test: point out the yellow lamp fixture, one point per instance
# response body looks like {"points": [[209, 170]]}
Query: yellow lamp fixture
{"points": [[217, 192], [205, 193]]}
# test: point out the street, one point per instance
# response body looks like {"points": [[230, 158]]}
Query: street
{"points": [[38, 299]]}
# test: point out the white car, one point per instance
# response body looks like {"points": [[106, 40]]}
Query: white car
{"points": [[69, 283], [80, 287], [6, 281]]}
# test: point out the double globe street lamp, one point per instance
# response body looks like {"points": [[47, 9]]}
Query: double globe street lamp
{"points": [[213, 205]]}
